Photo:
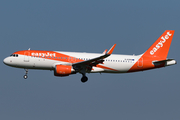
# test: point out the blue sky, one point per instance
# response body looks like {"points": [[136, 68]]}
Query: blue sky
{"points": [[88, 26]]}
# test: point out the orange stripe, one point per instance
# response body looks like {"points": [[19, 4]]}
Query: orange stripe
{"points": [[100, 66]]}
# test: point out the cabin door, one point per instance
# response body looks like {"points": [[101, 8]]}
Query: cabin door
{"points": [[140, 62], [26, 56]]}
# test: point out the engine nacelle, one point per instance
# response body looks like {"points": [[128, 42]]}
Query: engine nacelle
{"points": [[63, 70]]}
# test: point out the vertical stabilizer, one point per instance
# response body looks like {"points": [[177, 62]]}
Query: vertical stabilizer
{"points": [[156, 55], [160, 48]]}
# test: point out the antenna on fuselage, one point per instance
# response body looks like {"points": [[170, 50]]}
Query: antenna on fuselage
{"points": [[29, 49]]}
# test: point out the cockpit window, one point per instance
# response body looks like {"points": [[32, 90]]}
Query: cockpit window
{"points": [[14, 55]]}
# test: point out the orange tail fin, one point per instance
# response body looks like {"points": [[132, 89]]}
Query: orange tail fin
{"points": [[155, 56], [161, 47]]}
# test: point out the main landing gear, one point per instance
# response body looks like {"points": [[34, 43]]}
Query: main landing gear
{"points": [[84, 79], [26, 72]]}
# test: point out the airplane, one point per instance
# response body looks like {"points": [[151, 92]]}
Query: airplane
{"points": [[67, 63]]}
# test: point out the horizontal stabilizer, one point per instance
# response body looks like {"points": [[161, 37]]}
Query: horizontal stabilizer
{"points": [[167, 62]]}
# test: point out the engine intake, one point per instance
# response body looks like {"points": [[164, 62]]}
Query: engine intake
{"points": [[63, 70]]}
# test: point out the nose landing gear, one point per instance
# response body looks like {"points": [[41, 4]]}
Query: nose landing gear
{"points": [[26, 72], [25, 76]]}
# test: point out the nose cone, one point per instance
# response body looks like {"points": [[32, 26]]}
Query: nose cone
{"points": [[5, 61], [9, 61]]}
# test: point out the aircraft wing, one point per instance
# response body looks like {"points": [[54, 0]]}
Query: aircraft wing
{"points": [[93, 62]]}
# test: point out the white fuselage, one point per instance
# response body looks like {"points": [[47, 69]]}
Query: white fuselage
{"points": [[112, 64]]}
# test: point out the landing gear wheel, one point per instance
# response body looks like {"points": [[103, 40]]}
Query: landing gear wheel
{"points": [[84, 79], [26, 72], [25, 76]]}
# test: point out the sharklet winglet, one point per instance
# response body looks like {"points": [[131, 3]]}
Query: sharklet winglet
{"points": [[111, 49]]}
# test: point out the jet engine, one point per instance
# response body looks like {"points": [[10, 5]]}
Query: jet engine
{"points": [[63, 70]]}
